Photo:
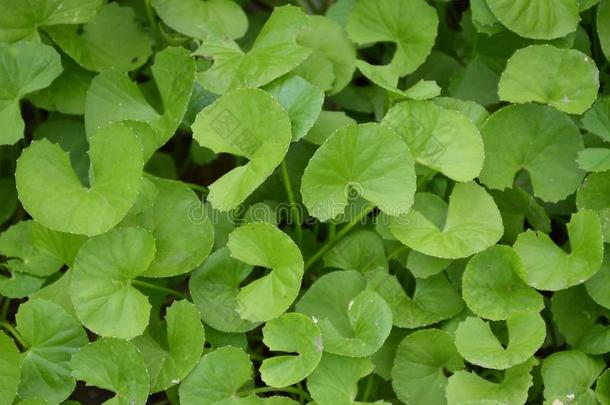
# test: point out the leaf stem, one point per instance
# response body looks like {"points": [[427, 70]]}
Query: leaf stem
{"points": [[5, 307], [367, 388], [150, 15], [331, 242], [293, 203], [10, 329], [151, 286], [289, 390]]}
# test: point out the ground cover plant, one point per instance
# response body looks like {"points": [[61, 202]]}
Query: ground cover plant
{"points": [[331, 202]]}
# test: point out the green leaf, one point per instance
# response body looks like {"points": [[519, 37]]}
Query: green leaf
{"points": [[52, 336], [477, 343], [217, 378], [563, 78], [369, 160], [197, 18], [170, 354], [301, 100], [468, 224], [361, 251], [548, 267], [264, 245], [354, 321], [576, 316], [424, 266], [24, 68], [17, 244], [594, 159], [15, 284], [183, 236], [476, 112], [538, 139], [114, 365], [602, 388], [411, 26], [63, 246], [54, 196], [593, 195], [332, 48], [335, 380], [441, 139], [603, 30], [466, 387], [291, 332], [483, 19], [58, 292], [248, 123], [433, 300], [569, 375], [67, 93], [274, 53], [113, 97], [327, 123], [10, 364], [597, 119], [214, 287], [93, 46], [20, 20], [534, 19], [596, 285], [493, 289], [104, 297], [422, 359]]}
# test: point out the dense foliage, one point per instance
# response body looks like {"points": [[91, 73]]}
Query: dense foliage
{"points": [[332, 202]]}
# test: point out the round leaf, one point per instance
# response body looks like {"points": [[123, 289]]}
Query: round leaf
{"points": [[370, 160], [52, 336], [441, 139], [291, 332], [466, 387], [537, 19], [576, 316], [354, 321], [478, 345], [422, 359], [594, 194], [217, 378], [248, 123], [539, 139], [183, 238], [412, 26], [264, 245], [274, 53], [172, 353], [361, 251], [569, 375], [101, 287], [548, 267], [597, 285], [93, 46], [335, 380], [563, 78], [197, 18], [54, 196], [493, 289], [214, 287], [469, 224], [433, 300], [115, 365]]}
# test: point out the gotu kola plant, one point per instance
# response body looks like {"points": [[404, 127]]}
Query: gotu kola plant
{"points": [[327, 202]]}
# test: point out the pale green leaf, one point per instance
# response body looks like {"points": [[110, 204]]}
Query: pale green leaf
{"points": [[538, 139], [248, 123], [104, 297], [361, 251], [54, 196], [566, 79], [569, 375], [10, 364]]}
